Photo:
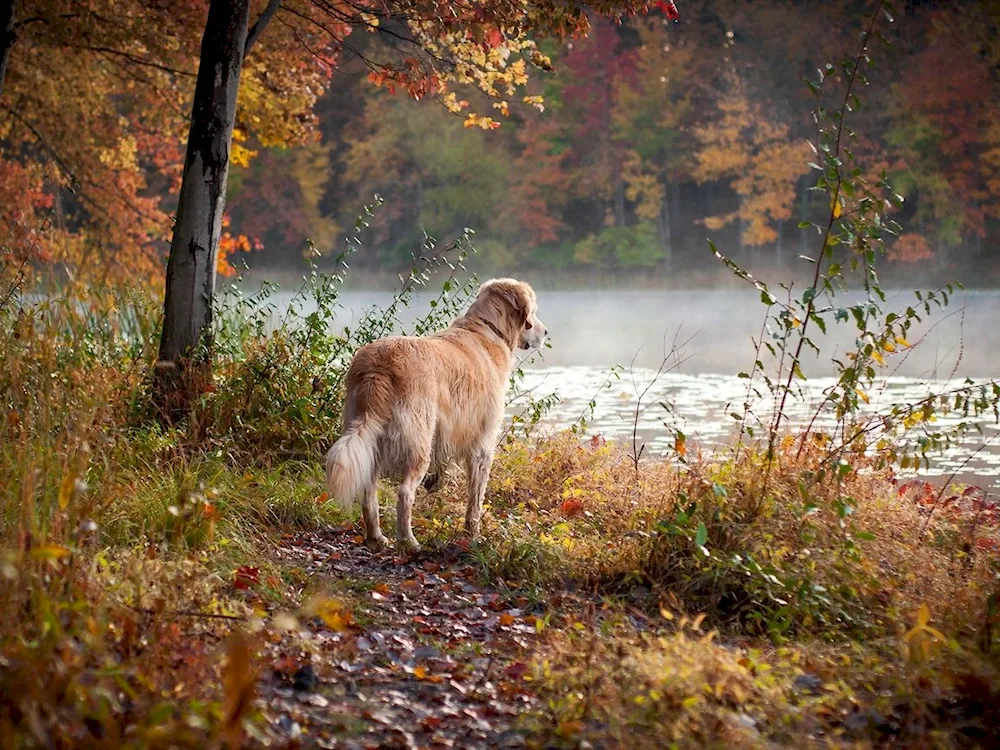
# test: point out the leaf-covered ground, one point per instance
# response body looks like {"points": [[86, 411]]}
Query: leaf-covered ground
{"points": [[414, 653]]}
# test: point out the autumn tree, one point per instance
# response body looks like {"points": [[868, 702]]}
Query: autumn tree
{"points": [[945, 135], [596, 70], [759, 158], [191, 265], [654, 117], [94, 110], [6, 36]]}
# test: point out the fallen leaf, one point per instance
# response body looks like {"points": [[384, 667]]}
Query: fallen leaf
{"points": [[246, 576], [516, 670], [571, 507]]}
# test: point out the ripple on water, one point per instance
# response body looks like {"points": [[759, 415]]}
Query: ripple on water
{"points": [[701, 407]]}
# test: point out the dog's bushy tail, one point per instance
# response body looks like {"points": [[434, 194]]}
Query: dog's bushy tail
{"points": [[351, 462]]}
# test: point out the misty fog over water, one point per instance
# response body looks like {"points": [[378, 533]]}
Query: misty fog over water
{"points": [[591, 331], [595, 328]]}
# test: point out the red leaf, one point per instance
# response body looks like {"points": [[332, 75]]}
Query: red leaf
{"points": [[571, 507], [986, 543], [516, 670], [494, 38], [918, 490], [245, 576], [669, 8]]}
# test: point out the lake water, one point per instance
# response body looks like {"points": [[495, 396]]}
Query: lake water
{"points": [[591, 331]]}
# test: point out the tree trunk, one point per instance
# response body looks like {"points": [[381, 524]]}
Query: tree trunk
{"points": [[7, 37], [676, 220], [185, 344], [619, 199], [779, 247], [741, 226], [666, 234]]}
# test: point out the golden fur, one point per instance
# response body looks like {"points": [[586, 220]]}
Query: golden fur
{"points": [[418, 402]]}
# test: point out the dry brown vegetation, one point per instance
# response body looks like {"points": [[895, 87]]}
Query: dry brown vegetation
{"points": [[674, 603]]}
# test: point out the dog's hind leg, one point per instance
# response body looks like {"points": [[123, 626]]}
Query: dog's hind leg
{"points": [[477, 466], [405, 541], [374, 537]]}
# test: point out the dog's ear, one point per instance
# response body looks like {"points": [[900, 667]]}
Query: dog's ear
{"points": [[514, 296]]}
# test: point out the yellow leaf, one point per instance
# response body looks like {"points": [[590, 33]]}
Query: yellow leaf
{"points": [[888, 346], [420, 672], [330, 611], [902, 342], [50, 552], [336, 620], [862, 395], [923, 615], [877, 356], [66, 490], [680, 444], [837, 209]]}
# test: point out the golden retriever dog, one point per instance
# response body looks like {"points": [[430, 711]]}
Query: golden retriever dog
{"points": [[416, 402]]}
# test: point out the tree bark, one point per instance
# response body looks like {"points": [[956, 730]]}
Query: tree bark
{"points": [[779, 246], [185, 345], [666, 233], [7, 37], [619, 198]]}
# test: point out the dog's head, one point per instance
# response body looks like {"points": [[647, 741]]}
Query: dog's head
{"points": [[510, 306]]}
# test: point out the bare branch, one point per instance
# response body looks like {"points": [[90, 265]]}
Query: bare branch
{"points": [[258, 28]]}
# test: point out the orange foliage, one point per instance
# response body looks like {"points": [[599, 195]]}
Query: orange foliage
{"points": [[910, 248], [759, 157], [229, 245], [94, 115]]}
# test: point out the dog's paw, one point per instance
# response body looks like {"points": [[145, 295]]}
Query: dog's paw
{"points": [[377, 543], [408, 545]]}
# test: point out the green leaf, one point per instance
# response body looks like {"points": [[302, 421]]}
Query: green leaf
{"points": [[701, 535]]}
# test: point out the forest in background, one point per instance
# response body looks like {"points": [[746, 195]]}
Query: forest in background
{"points": [[645, 138], [650, 136]]}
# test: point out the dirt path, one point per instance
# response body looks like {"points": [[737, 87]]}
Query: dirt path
{"points": [[431, 660]]}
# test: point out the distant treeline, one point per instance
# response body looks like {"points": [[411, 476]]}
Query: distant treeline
{"points": [[655, 135]]}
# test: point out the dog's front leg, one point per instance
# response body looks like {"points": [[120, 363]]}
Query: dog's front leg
{"points": [[478, 470]]}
